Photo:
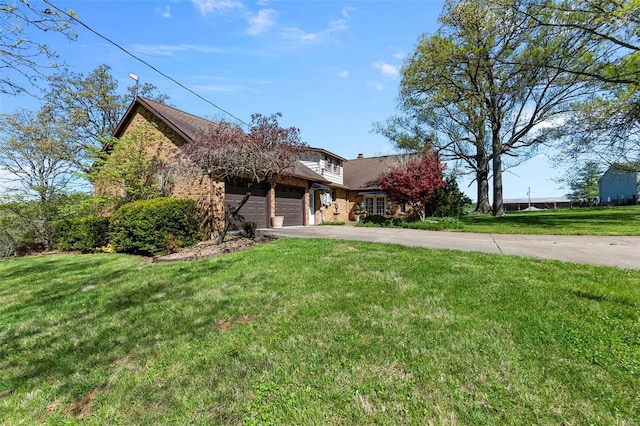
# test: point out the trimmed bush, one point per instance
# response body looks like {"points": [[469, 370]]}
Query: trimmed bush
{"points": [[374, 219], [379, 220], [82, 233], [448, 201], [153, 227]]}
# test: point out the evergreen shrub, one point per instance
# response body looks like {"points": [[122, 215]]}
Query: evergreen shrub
{"points": [[82, 233], [154, 227]]}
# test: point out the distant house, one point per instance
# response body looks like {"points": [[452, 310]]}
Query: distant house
{"points": [[620, 185], [526, 204], [322, 187]]}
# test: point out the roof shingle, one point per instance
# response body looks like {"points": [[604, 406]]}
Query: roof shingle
{"points": [[363, 173]]}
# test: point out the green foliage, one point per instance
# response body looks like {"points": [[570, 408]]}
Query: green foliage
{"points": [[36, 151], [92, 107], [134, 167], [82, 233], [80, 204], [333, 223], [448, 201], [583, 182], [435, 224], [15, 230], [154, 227], [379, 220]]}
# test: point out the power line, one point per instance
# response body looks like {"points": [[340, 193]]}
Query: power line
{"points": [[108, 40]]}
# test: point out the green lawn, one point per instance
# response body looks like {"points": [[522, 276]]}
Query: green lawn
{"points": [[318, 332], [588, 221]]}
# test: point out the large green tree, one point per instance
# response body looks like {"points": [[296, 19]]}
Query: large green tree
{"points": [[606, 126], [583, 182], [24, 59], [135, 166], [439, 97], [93, 107], [500, 83], [36, 152]]}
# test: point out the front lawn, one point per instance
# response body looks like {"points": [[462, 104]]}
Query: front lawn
{"points": [[623, 220], [318, 332]]}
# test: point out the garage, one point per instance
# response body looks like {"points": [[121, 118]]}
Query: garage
{"points": [[290, 204], [256, 208]]}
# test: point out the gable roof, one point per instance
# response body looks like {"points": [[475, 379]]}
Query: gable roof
{"points": [[187, 125], [327, 153], [363, 173]]}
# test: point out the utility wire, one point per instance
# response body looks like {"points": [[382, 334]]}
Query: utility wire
{"points": [[108, 40]]}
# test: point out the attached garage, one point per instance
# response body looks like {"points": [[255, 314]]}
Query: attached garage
{"points": [[255, 210], [290, 204]]}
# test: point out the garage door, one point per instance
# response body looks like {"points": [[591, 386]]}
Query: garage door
{"points": [[255, 210], [290, 204]]}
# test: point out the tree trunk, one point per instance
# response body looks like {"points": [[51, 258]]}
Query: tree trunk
{"points": [[482, 177], [46, 215], [498, 206]]}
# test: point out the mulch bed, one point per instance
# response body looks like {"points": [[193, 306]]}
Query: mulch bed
{"points": [[209, 248]]}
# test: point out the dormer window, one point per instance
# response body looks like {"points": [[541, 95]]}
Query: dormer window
{"points": [[333, 165]]}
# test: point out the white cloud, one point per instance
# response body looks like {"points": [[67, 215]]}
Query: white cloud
{"points": [[208, 6], [165, 13], [399, 55], [217, 88], [300, 35], [376, 85], [261, 22], [171, 49], [387, 70], [347, 10], [343, 74]]}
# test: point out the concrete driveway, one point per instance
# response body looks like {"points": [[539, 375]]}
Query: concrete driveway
{"points": [[623, 252]]}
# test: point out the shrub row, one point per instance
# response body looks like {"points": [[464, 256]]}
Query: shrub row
{"points": [[82, 233], [379, 220], [150, 227], [429, 224]]}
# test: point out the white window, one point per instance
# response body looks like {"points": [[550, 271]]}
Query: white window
{"points": [[374, 205], [332, 164]]}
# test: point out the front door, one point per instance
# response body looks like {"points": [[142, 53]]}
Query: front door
{"points": [[312, 207]]}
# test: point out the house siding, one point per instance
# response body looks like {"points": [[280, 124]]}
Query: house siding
{"points": [[320, 167], [619, 187]]}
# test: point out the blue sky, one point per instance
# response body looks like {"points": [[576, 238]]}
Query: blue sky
{"points": [[330, 67]]}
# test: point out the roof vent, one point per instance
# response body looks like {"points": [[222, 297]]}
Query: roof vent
{"points": [[360, 156]]}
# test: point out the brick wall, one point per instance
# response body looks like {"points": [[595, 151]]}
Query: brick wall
{"points": [[208, 195]]}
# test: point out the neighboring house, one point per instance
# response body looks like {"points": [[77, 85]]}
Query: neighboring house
{"points": [[322, 187], [525, 204], [620, 185]]}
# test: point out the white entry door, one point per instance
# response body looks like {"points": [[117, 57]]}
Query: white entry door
{"points": [[312, 207]]}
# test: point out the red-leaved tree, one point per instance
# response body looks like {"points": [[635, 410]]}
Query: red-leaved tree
{"points": [[225, 152], [414, 182]]}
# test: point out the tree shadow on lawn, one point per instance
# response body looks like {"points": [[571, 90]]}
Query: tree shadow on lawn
{"points": [[555, 219], [87, 332]]}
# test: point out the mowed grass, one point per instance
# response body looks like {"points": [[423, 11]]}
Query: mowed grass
{"points": [[318, 332], [623, 220]]}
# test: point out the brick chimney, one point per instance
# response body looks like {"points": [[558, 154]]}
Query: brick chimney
{"points": [[428, 145]]}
